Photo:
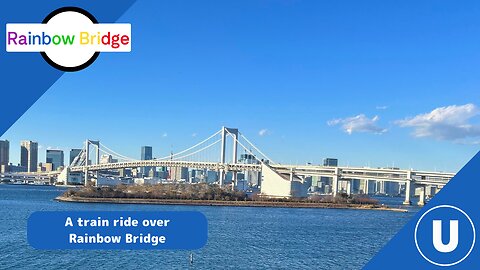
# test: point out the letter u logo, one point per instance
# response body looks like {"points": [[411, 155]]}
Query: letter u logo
{"points": [[437, 236]]}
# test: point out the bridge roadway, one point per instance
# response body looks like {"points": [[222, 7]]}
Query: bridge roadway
{"points": [[374, 174], [213, 166]]}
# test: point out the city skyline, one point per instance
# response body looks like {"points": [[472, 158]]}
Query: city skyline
{"points": [[303, 84]]}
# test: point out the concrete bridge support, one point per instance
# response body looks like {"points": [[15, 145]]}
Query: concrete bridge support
{"points": [[87, 157], [408, 189], [335, 179], [421, 201], [365, 187]]}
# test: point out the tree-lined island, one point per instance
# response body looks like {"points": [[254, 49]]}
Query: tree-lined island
{"points": [[210, 195]]}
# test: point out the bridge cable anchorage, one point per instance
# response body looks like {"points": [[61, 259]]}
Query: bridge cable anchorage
{"points": [[198, 151], [254, 147], [186, 150]]}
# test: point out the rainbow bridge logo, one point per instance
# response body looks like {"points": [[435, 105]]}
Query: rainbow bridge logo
{"points": [[69, 38]]}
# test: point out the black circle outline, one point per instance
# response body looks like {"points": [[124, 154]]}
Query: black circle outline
{"points": [[82, 66]]}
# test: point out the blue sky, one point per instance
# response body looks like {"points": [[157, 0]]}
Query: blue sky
{"points": [[356, 80]]}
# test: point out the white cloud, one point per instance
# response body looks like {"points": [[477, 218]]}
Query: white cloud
{"points": [[194, 135], [263, 132], [445, 123], [359, 123], [383, 107], [164, 135]]}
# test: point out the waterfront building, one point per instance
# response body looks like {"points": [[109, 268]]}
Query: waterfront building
{"points": [[14, 168], [56, 158], [29, 155]]}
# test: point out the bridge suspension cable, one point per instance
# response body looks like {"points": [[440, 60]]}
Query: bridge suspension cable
{"points": [[248, 150], [198, 151], [113, 155], [79, 160], [186, 150], [254, 147], [117, 155]]}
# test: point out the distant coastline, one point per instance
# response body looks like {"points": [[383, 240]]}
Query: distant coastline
{"points": [[77, 199]]}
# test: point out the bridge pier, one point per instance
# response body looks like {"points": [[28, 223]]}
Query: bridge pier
{"points": [[234, 180], [335, 182], [365, 186], [408, 189], [349, 187], [421, 201], [87, 157]]}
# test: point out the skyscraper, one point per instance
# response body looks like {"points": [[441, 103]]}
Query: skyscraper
{"points": [[330, 162], [4, 152], [147, 154], [73, 154], [56, 158], [29, 155], [4, 156]]}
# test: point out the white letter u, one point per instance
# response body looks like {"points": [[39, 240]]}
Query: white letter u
{"points": [[437, 236]]}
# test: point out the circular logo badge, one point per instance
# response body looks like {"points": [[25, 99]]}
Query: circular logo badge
{"points": [[445, 235], [69, 58]]}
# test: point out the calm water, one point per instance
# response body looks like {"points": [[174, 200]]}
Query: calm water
{"points": [[239, 237]]}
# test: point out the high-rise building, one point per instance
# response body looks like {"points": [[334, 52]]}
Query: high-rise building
{"points": [[178, 173], [56, 158], [29, 155], [147, 154], [330, 162], [4, 152], [73, 154], [4, 156]]}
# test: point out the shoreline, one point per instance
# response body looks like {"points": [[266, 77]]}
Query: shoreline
{"points": [[74, 199]]}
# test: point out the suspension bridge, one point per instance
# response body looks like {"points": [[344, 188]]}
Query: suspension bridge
{"points": [[219, 152]]}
